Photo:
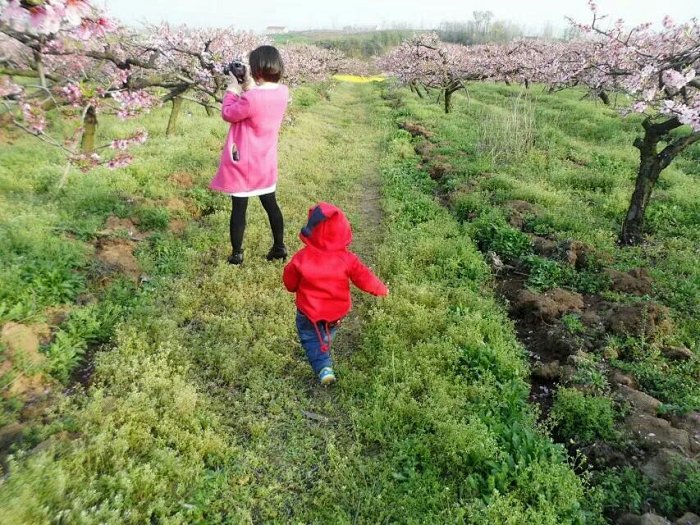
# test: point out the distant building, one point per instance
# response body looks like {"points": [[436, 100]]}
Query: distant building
{"points": [[276, 30]]}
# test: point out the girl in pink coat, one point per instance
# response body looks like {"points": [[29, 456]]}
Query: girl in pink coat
{"points": [[248, 165]]}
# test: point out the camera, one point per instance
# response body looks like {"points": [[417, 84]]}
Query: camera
{"points": [[237, 69]]}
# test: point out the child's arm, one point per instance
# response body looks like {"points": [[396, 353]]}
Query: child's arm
{"points": [[291, 276], [235, 108], [364, 278]]}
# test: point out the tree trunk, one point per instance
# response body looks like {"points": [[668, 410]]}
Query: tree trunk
{"points": [[604, 97], [174, 113], [448, 96], [448, 100], [527, 83], [87, 143], [38, 60], [651, 164], [633, 226], [415, 89]]}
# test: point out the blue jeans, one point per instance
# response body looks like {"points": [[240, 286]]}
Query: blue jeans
{"points": [[312, 343]]}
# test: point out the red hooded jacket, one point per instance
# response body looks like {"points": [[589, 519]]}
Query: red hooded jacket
{"points": [[320, 273]]}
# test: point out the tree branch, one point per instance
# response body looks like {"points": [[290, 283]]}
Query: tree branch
{"points": [[677, 146], [28, 73]]}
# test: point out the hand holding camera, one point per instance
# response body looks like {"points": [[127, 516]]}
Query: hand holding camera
{"points": [[237, 69], [241, 79]]}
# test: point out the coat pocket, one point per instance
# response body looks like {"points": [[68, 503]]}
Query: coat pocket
{"points": [[235, 155]]}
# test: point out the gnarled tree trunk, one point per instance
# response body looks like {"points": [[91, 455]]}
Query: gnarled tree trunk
{"points": [[39, 62], [651, 164], [633, 226], [414, 87], [448, 92], [87, 142], [174, 114]]}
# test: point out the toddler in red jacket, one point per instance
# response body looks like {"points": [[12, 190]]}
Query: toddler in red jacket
{"points": [[320, 275]]}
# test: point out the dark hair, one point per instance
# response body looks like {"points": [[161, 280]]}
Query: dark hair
{"points": [[266, 63]]}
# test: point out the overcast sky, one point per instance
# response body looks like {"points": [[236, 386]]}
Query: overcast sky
{"points": [[335, 14]]}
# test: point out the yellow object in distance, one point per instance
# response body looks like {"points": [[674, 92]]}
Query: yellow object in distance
{"points": [[358, 79]]}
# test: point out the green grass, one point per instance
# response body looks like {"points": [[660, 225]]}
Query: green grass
{"points": [[583, 418], [356, 44], [197, 411], [572, 159], [580, 171]]}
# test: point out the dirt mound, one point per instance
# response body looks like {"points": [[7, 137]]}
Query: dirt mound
{"points": [[117, 255], [688, 519], [425, 149], [22, 342], [553, 371], [619, 378], [520, 209], [645, 519], [416, 130], [690, 423], [439, 169], [543, 246], [177, 226], [176, 205], [9, 434], [182, 180], [547, 306], [639, 400], [634, 282], [656, 433], [576, 253], [678, 353], [56, 315], [660, 467], [29, 386], [22, 352], [115, 226], [645, 318]]}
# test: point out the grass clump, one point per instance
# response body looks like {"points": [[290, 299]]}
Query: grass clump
{"points": [[583, 418]]}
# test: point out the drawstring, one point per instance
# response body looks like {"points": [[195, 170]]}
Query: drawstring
{"points": [[324, 347]]}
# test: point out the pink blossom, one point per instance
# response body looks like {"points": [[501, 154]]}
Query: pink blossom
{"points": [[75, 11], [139, 137], [34, 118], [15, 15], [97, 28], [8, 88], [120, 144], [675, 79], [120, 161], [73, 93], [45, 19], [132, 103]]}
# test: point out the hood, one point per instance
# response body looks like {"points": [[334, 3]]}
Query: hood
{"points": [[327, 228]]}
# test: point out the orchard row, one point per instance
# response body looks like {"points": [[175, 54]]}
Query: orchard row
{"points": [[655, 70], [65, 58]]}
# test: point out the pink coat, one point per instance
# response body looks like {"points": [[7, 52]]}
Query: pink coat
{"points": [[249, 160]]}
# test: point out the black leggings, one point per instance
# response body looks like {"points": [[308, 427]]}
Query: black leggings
{"points": [[239, 205]]}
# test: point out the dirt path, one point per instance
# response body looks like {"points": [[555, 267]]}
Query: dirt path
{"points": [[206, 410], [286, 426]]}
